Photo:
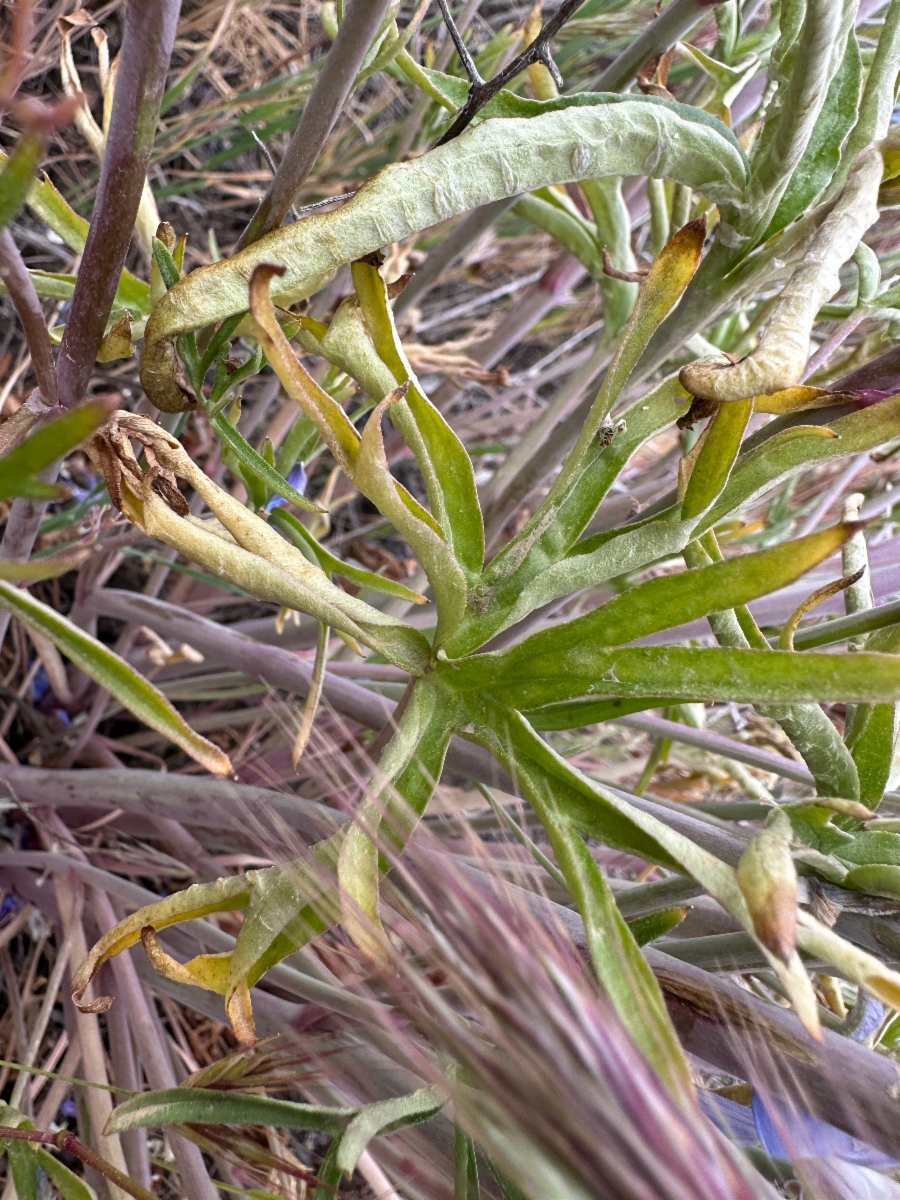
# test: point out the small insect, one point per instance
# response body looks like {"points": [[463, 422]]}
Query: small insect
{"points": [[609, 429]]}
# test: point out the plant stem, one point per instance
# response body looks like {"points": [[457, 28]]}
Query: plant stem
{"points": [[481, 93], [17, 280], [670, 26], [70, 1144], [335, 82], [143, 63]]}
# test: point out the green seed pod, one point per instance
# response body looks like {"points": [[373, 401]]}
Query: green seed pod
{"points": [[768, 880]]}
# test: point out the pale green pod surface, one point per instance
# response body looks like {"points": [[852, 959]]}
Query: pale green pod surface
{"points": [[498, 158], [767, 878]]}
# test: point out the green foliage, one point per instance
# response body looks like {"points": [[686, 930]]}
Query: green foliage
{"points": [[776, 236], [48, 442]]}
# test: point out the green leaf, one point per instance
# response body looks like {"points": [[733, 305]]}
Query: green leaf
{"points": [[571, 230], [660, 292], [507, 104], [587, 805], [47, 566], [69, 1185], [532, 569], [528, 572], [23, 1162], [441, 457], [671, 600], [25, 1170], [49, 206], [298, 446], [50, 441], [823, 152], [374, 479], [748, 676], [871, 848], [616, 957], [809, 54], [385, 1117], [257, 467], [573, 714], [17, 174], [329, 1174], [304, 540], [113, 674], [656, 925], [879, 880], [633, 550], [219, 342], [184, 1105], [281, 917], [789, 452], [131, 293], [465, 1167], [718, 449], [168, 268], [875, 729], [493, 160]]}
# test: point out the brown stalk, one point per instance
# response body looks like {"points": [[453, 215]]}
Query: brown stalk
{"points": [[70, 1144]]}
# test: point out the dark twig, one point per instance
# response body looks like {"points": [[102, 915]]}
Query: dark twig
{"points": [[143, 65], [481, 92], [70, 1144], [462, 49], [356, 34], [25, 300], [271, 164]]}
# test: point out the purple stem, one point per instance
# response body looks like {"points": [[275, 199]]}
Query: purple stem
{"points": [[335, 82], [881, 375], [143, 65], [17, 281], [665, 30], [837, 339]]}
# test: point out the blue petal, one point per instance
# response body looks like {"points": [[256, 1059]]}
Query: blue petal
{"points": [[809, 1137]]}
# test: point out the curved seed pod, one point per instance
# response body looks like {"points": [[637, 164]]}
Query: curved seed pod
{"points": [[612, 136], [779, 359]]}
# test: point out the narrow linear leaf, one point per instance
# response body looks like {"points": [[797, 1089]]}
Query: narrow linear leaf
{"points": [[671, 600], [718, 451], [50, 441], [17, 174], [50, 566], [707, 674], [297, 532], [441, 456], [184, 1105], [257, 466], [113, 674], [386, 1116], [374, 479]]}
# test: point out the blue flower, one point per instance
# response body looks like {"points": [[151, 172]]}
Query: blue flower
{"points": [[297, 479]]}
